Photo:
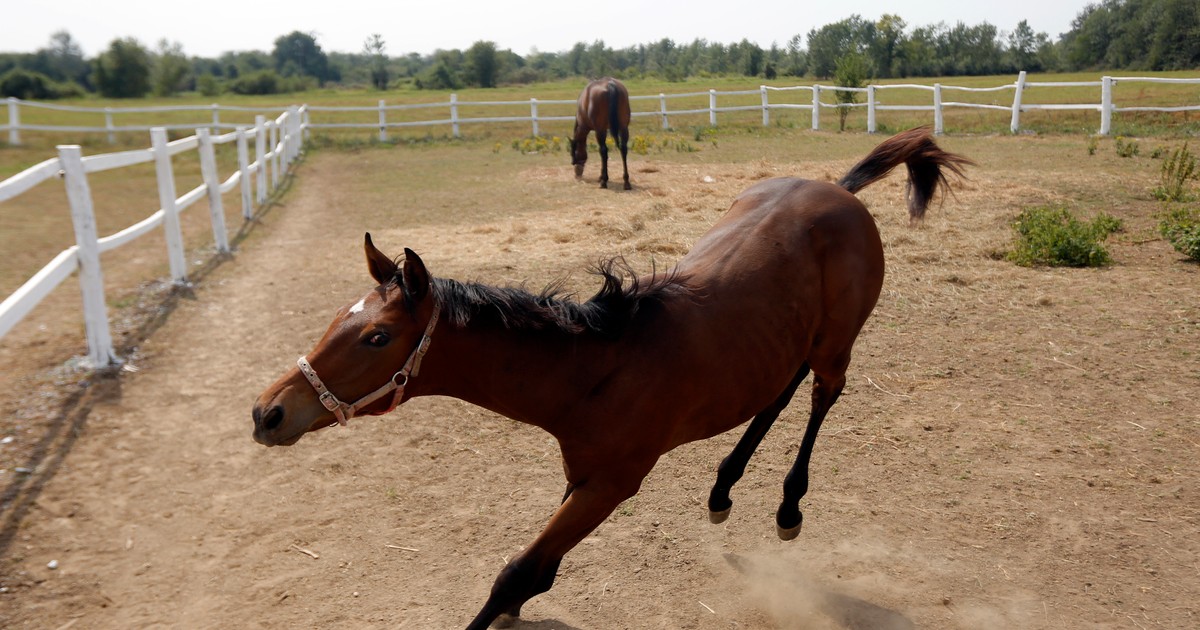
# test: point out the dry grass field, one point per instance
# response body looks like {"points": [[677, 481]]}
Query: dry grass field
{"points": [[1016, 447]]}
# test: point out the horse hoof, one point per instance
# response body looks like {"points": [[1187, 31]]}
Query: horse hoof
{"points": [[505, 620], [719, 517], [628, 187], [604, 184], [789, 533]]}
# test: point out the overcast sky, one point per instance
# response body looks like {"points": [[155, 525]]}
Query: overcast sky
{"points": [[211, 27]]}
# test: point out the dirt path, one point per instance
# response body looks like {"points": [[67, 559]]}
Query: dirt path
{"points": [[1016, 448]]}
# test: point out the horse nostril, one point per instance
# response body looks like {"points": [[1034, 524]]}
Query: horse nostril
{"points": [[271, 419]]}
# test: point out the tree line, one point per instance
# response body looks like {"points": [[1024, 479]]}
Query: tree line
{"points": [[1109, 35]]}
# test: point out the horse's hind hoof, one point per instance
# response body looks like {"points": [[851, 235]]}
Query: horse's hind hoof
{"points": [[505, 620], [628, 187], [717, 518], [789, 533]]}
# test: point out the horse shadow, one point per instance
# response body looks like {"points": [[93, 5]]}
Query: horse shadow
{"points": [[541, 624]]}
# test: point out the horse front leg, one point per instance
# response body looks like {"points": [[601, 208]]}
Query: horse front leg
{"points": [[533, 570], [789, 518], [734, 465], [602, 140]]}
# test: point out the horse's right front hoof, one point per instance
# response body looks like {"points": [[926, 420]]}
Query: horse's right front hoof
{"points": [[604, 184], [505, 620], [716, 518], [790, 532]]}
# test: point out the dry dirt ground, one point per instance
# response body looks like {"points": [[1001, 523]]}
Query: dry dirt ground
{"points": [[1016, 448]]}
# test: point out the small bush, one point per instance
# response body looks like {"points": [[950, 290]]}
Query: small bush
{"points": [[1126, 148], [26, 85], [1177, 170], [1050, 235], [1093, 143], [1181, 227], [208, 85]]}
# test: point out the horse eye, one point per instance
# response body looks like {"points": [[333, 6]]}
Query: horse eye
{"points": [[378, 339]]}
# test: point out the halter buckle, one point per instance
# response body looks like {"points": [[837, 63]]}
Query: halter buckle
{"points": [[329, 401]]}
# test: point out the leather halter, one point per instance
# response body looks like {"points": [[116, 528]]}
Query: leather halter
{"points": [[394, 386]]}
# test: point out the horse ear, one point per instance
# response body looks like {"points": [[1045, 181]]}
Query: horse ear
{"points": [[416, 276], [382, 268]]}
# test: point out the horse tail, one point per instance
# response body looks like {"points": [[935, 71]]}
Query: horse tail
{"points": [[925, 161], [614, 111]]}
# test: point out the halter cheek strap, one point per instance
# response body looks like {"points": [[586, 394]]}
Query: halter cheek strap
{"points": [[395, 385]]}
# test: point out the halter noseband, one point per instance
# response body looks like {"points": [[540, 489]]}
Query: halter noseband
{"points": [[396, 384]]}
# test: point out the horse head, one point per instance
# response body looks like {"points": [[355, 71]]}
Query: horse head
{"points": [[578, 156], [367, 355]]}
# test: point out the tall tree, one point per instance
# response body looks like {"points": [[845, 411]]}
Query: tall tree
{"points": [[483, 66], [299, 54], [64, 59], [123, 71], [171, 68], [375, 48]]}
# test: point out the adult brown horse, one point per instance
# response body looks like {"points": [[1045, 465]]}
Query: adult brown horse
{"points": [[604, 108], [780, 286]]}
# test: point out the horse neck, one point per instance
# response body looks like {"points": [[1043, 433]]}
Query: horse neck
{"points": [[532, 376]]}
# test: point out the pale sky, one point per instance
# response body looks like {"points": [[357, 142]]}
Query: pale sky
{"points": [[210, 27]]}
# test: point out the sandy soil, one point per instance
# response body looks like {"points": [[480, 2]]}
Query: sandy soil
{"points": [[1016, 448]]}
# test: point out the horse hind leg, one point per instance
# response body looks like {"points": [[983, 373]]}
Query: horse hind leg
{"points": [[623, 144], [734, 465], [789, 519], [602, 140]]}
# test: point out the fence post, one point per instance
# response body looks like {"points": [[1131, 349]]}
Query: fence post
{"points": [[260, 144], [14, 122], [816, 110], [533, 115], [208, 170], [91, 278], [662, 108], [938, 120], [306, 122], [108, 124], [216, 111], [382, 122], [243, 155], [166, 197], [1015, 125], [273, 127], [1106, 105], [296, 132], [712, 108], [454, 114], [870, 109], [766, 107]]}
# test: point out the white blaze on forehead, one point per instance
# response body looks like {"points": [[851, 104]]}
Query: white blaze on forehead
{"points": [[358, 306]]}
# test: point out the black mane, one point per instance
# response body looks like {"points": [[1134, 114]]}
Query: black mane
{"points": [[607, 313]]}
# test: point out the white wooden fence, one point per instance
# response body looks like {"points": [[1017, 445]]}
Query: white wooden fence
{"points": [[659, 107], [285, 140]]}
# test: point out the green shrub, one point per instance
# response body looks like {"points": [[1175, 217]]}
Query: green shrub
{"points": [[208, 85], [25, 84], [269, 82], [1126, 148], [1051, 235], [1093, 143], [1181, 227], [1177, 170]]}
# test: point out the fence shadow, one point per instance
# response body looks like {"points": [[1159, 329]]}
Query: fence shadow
{"points": [[66, 425]]}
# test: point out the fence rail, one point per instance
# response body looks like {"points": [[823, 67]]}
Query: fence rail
{"points": [[286, 137], [659, 107]]}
